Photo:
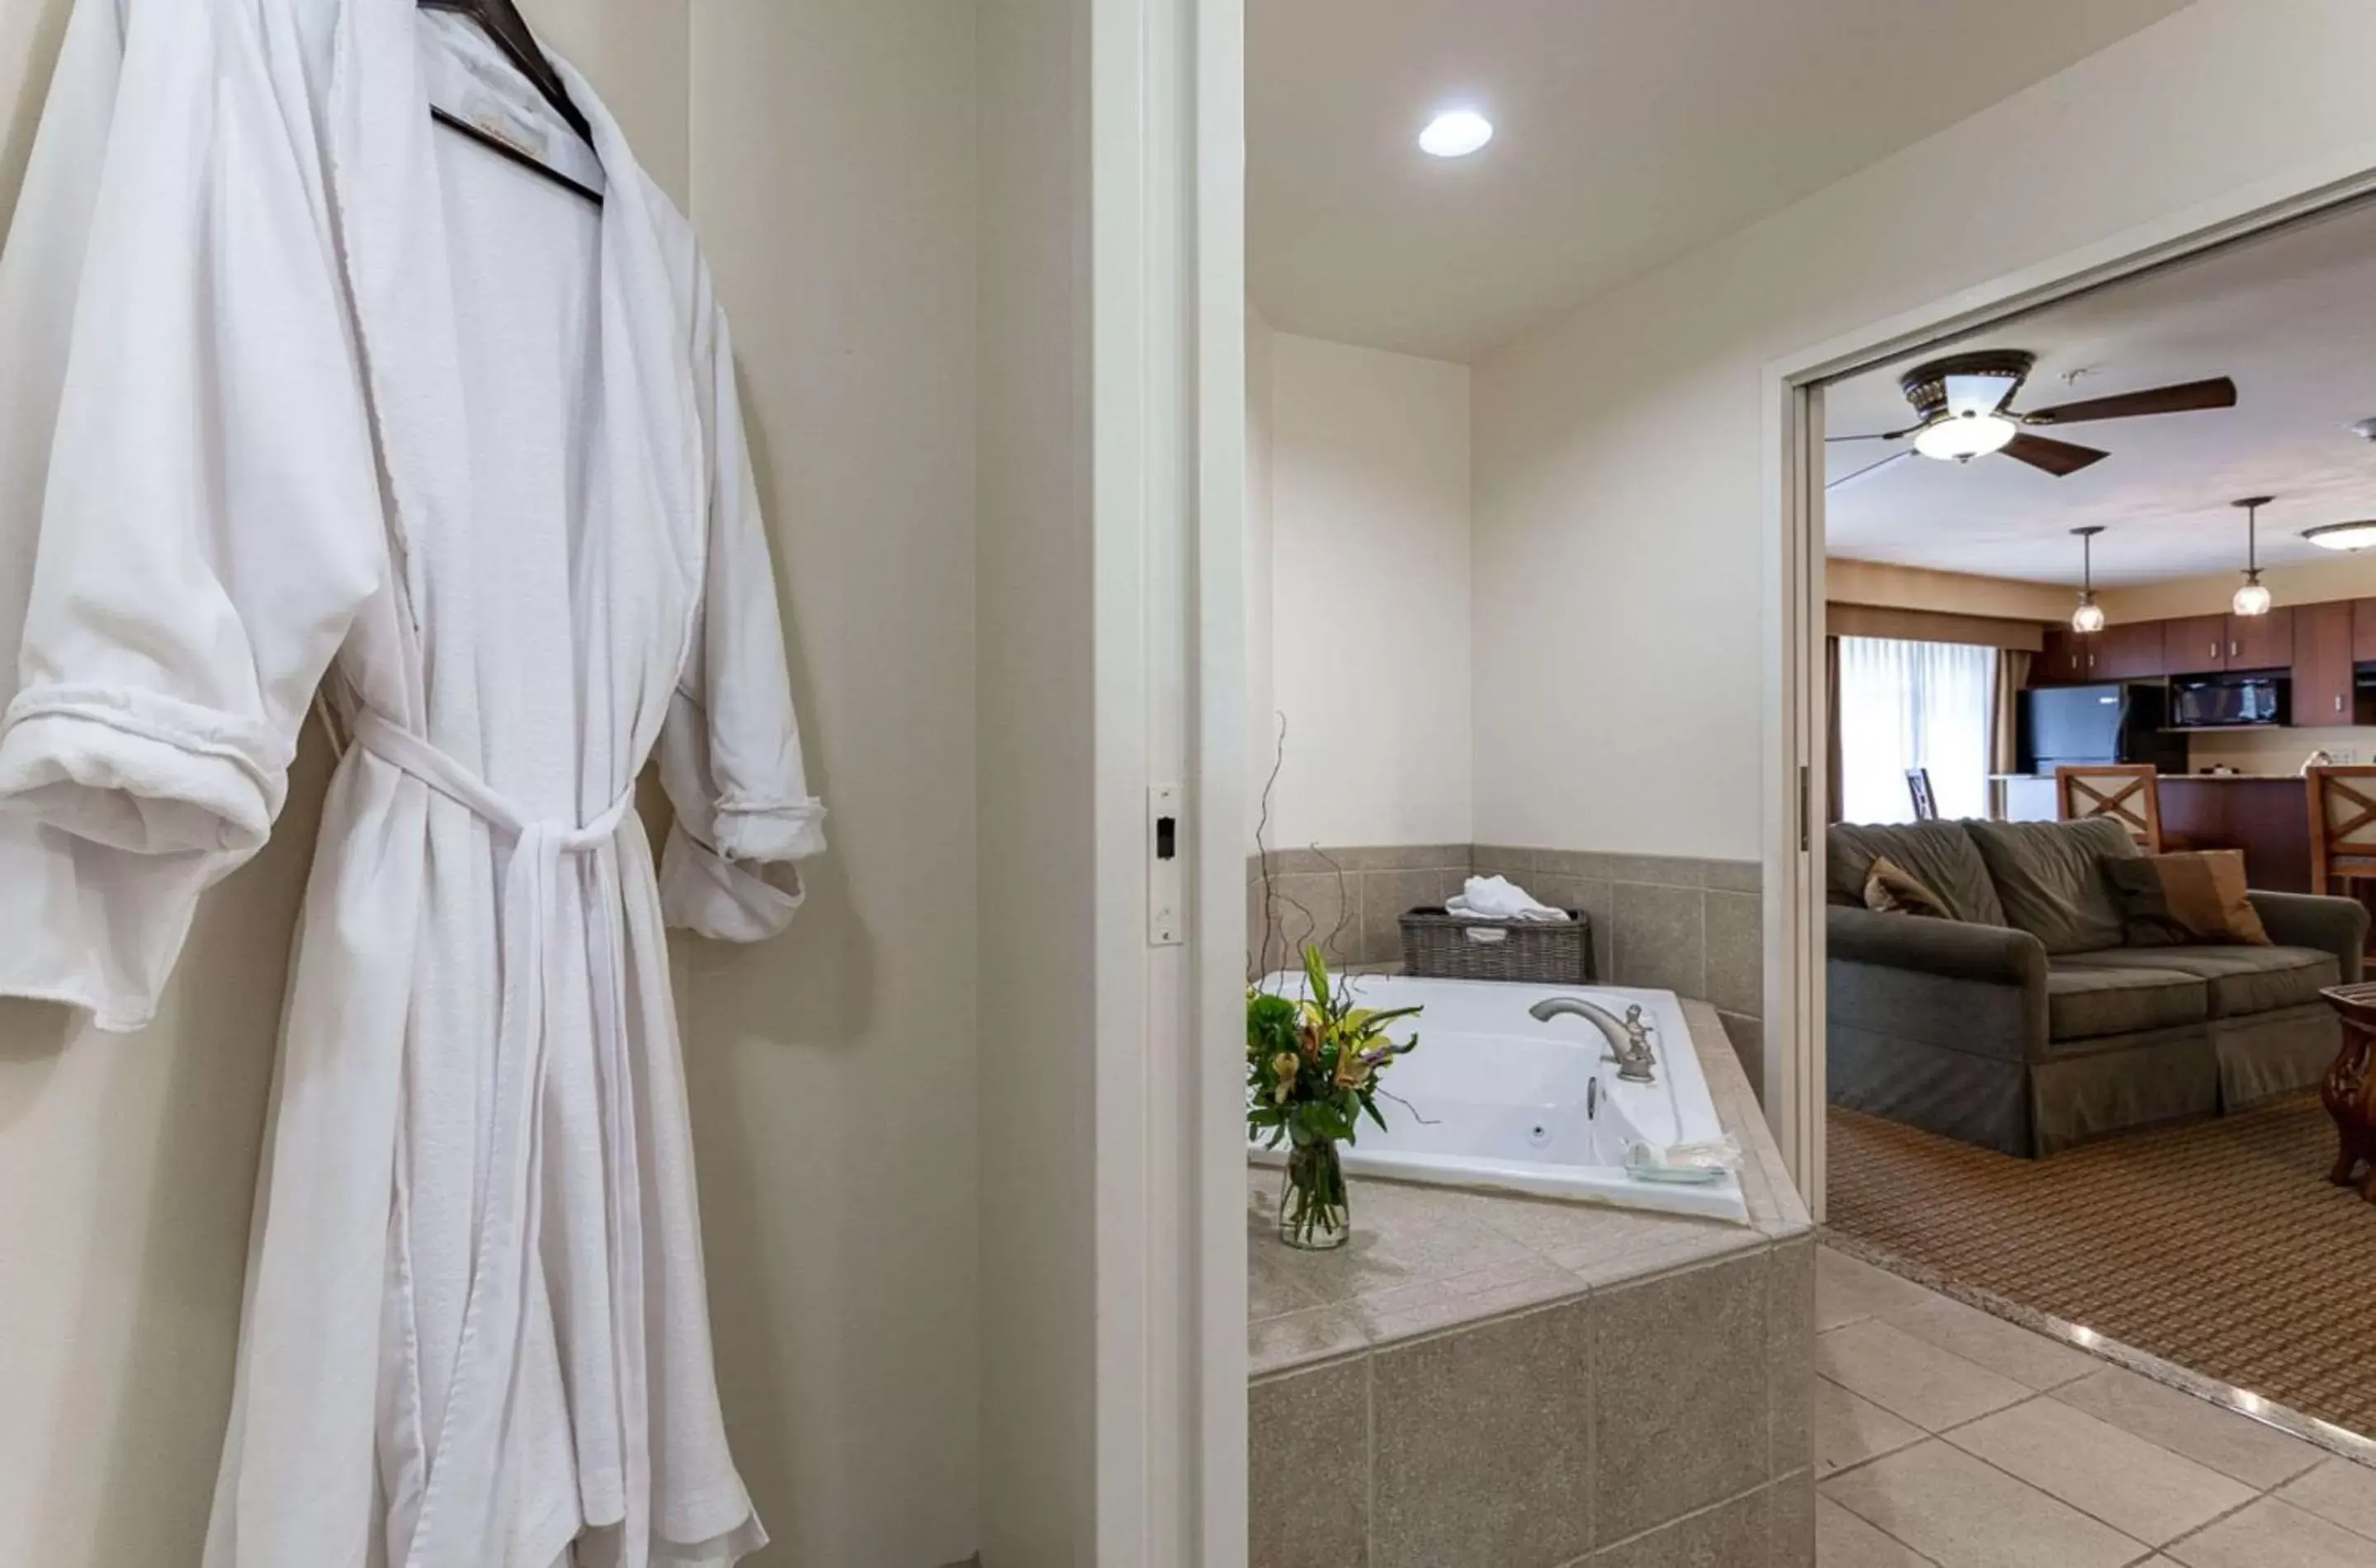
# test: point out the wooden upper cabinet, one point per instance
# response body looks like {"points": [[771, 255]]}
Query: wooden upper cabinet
{"points": [[2063, 660], [2129, 651], [2194, 646], [2363, 630], [2323, 645], [2261, 642]]}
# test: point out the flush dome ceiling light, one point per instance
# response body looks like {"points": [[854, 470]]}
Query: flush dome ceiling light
{"points": [[1456, 132], [2343, 536], [1961, 437]]}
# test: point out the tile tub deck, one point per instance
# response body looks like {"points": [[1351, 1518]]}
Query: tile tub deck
{"points": [[1484, 1378]]}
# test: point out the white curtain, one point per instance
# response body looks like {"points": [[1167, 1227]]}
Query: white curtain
{"points": [[1907, 705]]}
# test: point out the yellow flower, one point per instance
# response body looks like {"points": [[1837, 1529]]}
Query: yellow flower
{"points": [[1283, 1067]]}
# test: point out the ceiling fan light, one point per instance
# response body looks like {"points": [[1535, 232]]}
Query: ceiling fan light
{"points": [[2088, 619], [1959, 438], [2252, 599], [2343, 536]]}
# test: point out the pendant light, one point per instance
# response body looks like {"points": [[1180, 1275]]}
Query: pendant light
{"points": [[2088, 619], [2252, 599]]}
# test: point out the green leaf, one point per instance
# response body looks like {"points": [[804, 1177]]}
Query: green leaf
{"points": [[1316, 971]]}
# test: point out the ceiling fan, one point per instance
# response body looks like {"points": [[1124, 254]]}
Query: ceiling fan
{"points": [[1962, 403]]}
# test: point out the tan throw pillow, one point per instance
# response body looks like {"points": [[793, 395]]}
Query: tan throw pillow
{"points": [[1893, 890], [2187, 901]]}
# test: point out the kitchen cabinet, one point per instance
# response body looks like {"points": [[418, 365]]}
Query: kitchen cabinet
{"points": [[2129, 651], [2323, 645], [2363, 630], [2195, 645], [2064, 659], [2261, 642]]}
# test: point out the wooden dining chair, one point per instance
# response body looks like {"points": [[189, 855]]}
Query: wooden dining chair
{"points": [[1925, 803], [2130, 793], [2342, 827]]}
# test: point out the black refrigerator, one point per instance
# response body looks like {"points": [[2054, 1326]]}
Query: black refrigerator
{"points": [[2070, 725]]}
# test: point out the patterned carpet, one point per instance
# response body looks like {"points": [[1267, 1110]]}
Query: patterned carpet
{"points": [[2218, 1245]]}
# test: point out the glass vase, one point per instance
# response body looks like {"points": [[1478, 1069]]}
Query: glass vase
{"points": [[1315, 1211]]}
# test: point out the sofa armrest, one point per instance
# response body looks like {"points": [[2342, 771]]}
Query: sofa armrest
{"points": [[1900, 982], [2330, 925], [1955, 949]]}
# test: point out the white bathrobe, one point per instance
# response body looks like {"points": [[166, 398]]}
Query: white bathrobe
{"points": [[298, 391]]}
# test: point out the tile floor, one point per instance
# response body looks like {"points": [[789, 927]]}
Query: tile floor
{"points": [[1946, 1438]]}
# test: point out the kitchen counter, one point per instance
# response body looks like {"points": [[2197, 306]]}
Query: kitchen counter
{"points": [[2264, 815]]}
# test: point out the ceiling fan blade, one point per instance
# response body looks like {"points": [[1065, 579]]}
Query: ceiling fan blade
{"points": [[1878, 435], [2217, 393], [1868, 469], [1971, 395], [2056, 458]]}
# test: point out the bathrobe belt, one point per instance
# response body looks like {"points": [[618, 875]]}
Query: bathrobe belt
{"points": [[466, 1458]]}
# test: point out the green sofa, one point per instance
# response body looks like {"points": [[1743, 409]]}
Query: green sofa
{"points": [[2026, 1025]]}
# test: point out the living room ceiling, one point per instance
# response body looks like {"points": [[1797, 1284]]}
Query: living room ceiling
{"points": [[1629, 133], [2288, 316]]}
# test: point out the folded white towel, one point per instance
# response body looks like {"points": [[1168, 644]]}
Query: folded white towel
{"points": [[1496, 898]]}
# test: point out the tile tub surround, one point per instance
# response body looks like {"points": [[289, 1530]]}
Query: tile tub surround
{"points": [[1498, 1382], [1694, 927]]}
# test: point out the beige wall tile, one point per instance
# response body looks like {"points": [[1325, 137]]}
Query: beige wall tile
{"points": [[1790, 1522], [1735, 924], [1484, 1445], [1790, 1354], [1680, 1407], [1307, 1477], [1726, 1536], [1661, 939]]}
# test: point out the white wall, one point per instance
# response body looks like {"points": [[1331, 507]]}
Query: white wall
{"points": [[828, 156], [835, 1072], [1261, 706], [1038, 871], [1618, 452], [1369, 616]]}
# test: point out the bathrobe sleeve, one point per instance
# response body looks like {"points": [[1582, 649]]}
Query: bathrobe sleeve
{"points": [[208, 522], [731, 752]]}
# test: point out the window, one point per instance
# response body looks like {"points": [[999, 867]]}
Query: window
{"points": [[1906, 705]]}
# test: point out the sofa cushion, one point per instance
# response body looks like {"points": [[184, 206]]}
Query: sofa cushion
{"points": [[2187, 901], [2087, 1002], [2240, 980], [1891, 889], [1940, 855], [2050, 878]]}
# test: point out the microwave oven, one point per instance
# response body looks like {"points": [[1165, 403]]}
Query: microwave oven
{"points": [[2227, 701]]}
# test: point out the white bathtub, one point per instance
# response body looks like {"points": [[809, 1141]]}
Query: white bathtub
{"points": [[1494, 1099]]}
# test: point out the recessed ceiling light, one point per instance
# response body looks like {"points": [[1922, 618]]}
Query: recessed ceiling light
{"points": [[1456, 132]]}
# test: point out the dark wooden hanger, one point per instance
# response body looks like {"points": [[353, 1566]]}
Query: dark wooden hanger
{"points": [[501, 20]]}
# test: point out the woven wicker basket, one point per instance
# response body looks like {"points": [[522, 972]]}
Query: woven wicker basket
{"points": [[1437, 946]]}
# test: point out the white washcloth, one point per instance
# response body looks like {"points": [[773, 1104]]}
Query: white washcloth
{"points": [[1496, 898]]}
